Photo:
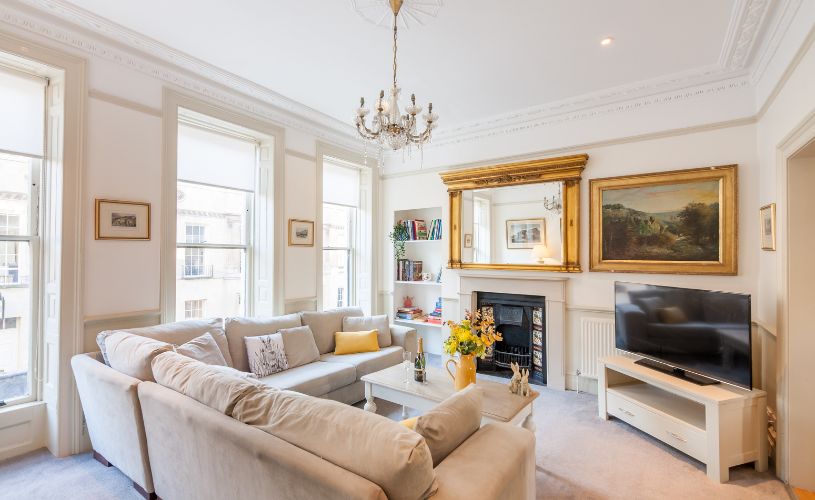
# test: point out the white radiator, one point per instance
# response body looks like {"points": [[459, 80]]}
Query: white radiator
{"points": [[596, 341]]}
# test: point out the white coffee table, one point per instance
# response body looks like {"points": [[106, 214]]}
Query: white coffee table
{"points": [[500, 405]]}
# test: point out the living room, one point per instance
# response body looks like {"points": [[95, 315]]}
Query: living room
{"points": [[596, 185]]}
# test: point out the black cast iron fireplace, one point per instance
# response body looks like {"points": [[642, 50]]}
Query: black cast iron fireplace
{"points": [[521, 321]]}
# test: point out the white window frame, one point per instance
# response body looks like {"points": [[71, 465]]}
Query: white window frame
{"points": [[482, 229], [195, 305], [267, 260], [349, 248]]}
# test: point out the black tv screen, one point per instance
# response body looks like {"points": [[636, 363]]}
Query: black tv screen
{"points": [[703, 332]]}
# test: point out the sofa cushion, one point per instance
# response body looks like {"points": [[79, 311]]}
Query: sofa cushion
{"points": [[325, 323], [182, 331], [300, 346], [237, 328], [369, 445], [367, 362], [314, 379], [451, 422], [203, 349], [378, 323], [266, 354], [355, 342], [132, 354], [218, 387]]}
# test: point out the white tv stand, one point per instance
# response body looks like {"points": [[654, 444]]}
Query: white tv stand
{"points": [[719, 425]]}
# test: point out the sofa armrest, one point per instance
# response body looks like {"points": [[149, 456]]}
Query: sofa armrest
{"points": [[113, 416], [405, 336], [506, 451]]}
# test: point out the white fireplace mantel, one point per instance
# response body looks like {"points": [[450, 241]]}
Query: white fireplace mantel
{"points": [[553, 289]]}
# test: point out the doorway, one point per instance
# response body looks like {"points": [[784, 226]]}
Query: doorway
{"points": [[800, 345]]}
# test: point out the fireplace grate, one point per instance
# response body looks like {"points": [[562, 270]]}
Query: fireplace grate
{"points": [[519, 355]]}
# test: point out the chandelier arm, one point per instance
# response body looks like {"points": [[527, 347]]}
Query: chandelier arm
{"points": [[365, 131]]}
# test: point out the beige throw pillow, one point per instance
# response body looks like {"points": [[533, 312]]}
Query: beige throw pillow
{"points": [[132, 354], [365, 323], [204, 349], [325, 323], [450, 423], [219, 387], [299, 345], [369, 445]]}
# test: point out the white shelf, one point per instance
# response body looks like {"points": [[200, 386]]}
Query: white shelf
{"points": [[425, 283], [422, 241], [414, 322]]}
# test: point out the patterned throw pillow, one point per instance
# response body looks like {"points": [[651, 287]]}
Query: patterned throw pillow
{"points": [[266, 354]]}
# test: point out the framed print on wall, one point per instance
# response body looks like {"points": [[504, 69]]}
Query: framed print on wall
{"points": [[525, 233], [767, 226], [122, 220], [468, 240], [301, 233], [680, 222]]}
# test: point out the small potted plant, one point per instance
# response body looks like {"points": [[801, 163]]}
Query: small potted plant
{"points": [[399, 235], [469, 338]]}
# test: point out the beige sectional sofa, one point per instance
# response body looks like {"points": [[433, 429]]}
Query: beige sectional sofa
{"points": [[173, 445]]}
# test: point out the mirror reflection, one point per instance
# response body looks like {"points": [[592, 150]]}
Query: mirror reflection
{"points": [[513, 224]]}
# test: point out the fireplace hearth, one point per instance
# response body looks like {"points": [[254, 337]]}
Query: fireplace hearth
{"points": [[520, 320]]}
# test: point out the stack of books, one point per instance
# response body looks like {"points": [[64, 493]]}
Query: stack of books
{"points": [[408, 270], [417, 229], [409, 313], [434, 318]]}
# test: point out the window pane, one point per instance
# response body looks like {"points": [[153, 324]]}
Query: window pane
{"points": [[337, 225], [15, 320], [15, 194], [336, 287], [209, 214], [215, 276]]}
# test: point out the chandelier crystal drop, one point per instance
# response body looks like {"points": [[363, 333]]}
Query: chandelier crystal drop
{"points": [[389, 127]]}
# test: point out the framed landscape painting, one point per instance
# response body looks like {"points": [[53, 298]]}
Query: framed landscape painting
{"points": [[122, 220], [681, 222]]}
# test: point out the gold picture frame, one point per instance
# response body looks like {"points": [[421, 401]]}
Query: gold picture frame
{"points": [[668, 215], [565, 169], [301, 233], [121, 220], [767, 226]]}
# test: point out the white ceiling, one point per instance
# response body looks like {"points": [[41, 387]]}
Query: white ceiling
{"points": [[474, 59]]}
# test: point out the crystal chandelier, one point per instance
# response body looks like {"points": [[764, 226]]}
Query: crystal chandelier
{"points": [[388, 126]]}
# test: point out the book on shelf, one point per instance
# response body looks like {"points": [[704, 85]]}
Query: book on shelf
{"points": [[417, 229], [408, 270]]}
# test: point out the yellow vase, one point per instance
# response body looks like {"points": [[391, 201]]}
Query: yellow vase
{"points": [[465, 371]]}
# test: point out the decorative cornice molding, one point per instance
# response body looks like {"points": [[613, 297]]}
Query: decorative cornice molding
{"points": [[775, 35], [746, 23], [156, 60]]}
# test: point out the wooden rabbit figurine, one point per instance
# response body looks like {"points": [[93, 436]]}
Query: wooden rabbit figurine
{"points": [[515, 381], [524, 389]]}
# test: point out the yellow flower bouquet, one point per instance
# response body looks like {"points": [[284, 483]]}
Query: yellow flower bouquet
{"points": [[471, 336]]}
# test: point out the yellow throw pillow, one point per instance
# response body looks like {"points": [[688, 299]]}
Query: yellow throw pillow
{"points": [[410, 423], [353, 342]]}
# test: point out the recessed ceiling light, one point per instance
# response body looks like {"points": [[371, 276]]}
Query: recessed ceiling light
{"points": [[605, 42]]}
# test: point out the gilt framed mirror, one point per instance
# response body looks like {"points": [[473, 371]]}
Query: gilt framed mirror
{"points": [[522, 216]]}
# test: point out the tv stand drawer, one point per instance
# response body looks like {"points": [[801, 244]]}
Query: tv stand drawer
{"points": [[682, 436]]}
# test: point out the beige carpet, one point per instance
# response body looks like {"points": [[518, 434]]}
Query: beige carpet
{"points": [[579, 456]]}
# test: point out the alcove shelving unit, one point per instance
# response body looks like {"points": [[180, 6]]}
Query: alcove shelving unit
{"points": [[424, 293]]}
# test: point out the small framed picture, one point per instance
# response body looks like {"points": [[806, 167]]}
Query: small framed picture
{"points": [[122, 220], [301, 233], [768, 227], [468, 240], [525, 233]]}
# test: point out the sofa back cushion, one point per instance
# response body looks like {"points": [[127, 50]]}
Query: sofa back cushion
{"points": [[218, 387], [177, 333], [237, 328], [204, 349], [369, 445], [362, 323], [324, 324], [132, 354], [300, 346], [450, 423]]}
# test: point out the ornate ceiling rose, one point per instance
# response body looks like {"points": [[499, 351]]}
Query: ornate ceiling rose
{"points": [[413, 13]]}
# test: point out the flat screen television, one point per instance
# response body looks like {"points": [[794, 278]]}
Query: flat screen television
{"points": [[698, 334]]}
